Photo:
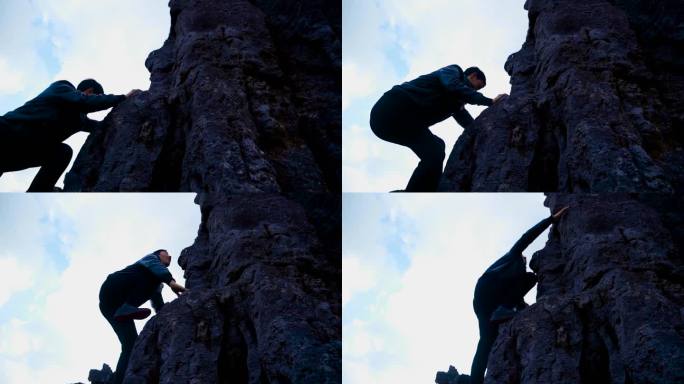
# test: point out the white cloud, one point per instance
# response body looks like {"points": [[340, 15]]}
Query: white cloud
{"points": [[15, 277], [364, 278]]}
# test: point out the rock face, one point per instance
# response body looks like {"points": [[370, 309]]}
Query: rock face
{"points": [[243, 109], [610, 298], [594, 106], [245, 97]]}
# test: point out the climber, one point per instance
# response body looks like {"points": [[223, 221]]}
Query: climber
{"points": [[404, 114], [33, 134], [124, 291], [499, 293]]}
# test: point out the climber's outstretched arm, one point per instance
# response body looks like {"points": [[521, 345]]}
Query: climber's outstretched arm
{"points": [[535, 231]]}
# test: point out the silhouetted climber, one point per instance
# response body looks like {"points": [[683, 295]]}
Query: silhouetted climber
{"points": [[33, 134], [404, 114], [500, 291], [124, 291]]}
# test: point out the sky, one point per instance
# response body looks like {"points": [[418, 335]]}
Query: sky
{"points": [[57, 250], [410, 263], [48, 40], [385, 43]]}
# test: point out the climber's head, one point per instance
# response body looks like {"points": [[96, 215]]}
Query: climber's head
{"points": [[475, 77], [90, 87], [164, 256]]}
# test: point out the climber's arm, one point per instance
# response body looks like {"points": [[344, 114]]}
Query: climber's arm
{"points": [[176, 288], [535, 231], [463, 118], [89, 125], [157, 301]]}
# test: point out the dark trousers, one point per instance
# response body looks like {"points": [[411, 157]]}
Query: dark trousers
{"points": [[491, 292], [17, 155], [111, 299], [393, 119]]}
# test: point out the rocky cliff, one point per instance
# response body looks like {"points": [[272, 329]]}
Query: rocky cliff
{"points": [[610, 298], [245, 97], [594, 106], [244, 110]]}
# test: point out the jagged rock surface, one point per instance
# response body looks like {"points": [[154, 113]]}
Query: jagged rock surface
{"points": [[244, 110], [595, 104], [610, 298], [245, 97], [264, 301], [451, 377]]}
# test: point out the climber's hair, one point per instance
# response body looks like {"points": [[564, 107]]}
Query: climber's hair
{"points": [[478, 72], [159, 251], [90, 83]]}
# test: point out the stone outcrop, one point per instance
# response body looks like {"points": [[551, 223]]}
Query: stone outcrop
{"points": [[610, 298], [244, 110], [595, 104], [245, 97]]}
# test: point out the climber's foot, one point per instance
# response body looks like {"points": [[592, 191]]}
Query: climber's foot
{"points": [[129, 312], [501, 314]]}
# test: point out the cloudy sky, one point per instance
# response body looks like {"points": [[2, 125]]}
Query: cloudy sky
{"points": [[57, 249], [388, 42], [48, 40], [409, 267]]}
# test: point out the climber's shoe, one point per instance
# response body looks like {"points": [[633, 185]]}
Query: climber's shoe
{"points": [[398, 190], [129, 312], [501, 314]]}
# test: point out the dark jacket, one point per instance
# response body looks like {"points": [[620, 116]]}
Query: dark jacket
{"points": [[512, 264], [442, 94], [137, 283], [57, 113]]}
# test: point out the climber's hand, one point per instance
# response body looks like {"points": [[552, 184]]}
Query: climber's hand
{"points": [[133, 92], [176, 288], [501, 96], [556, 216]]}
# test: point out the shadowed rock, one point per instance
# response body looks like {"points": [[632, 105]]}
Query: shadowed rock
{"points": [[609, 299], [594, 106]]}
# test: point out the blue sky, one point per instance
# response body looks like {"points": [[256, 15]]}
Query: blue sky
{"points": [[57, 249], [48, 40], [388, 42], [409, 267]]}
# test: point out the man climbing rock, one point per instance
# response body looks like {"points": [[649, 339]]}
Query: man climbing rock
{"points": [[499, 293], [404, 114], [33, 134], [124, 291]]}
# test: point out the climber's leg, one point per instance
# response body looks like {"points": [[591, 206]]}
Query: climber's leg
{"points": [[51, 158], [112, 296], [430, 150], [488, 333], [393, 119], [484, 303]]}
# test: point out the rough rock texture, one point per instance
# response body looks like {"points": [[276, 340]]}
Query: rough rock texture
{"points": [[264, 301], [595, 104], [610, 298], [243, 109], [245, 97]]}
